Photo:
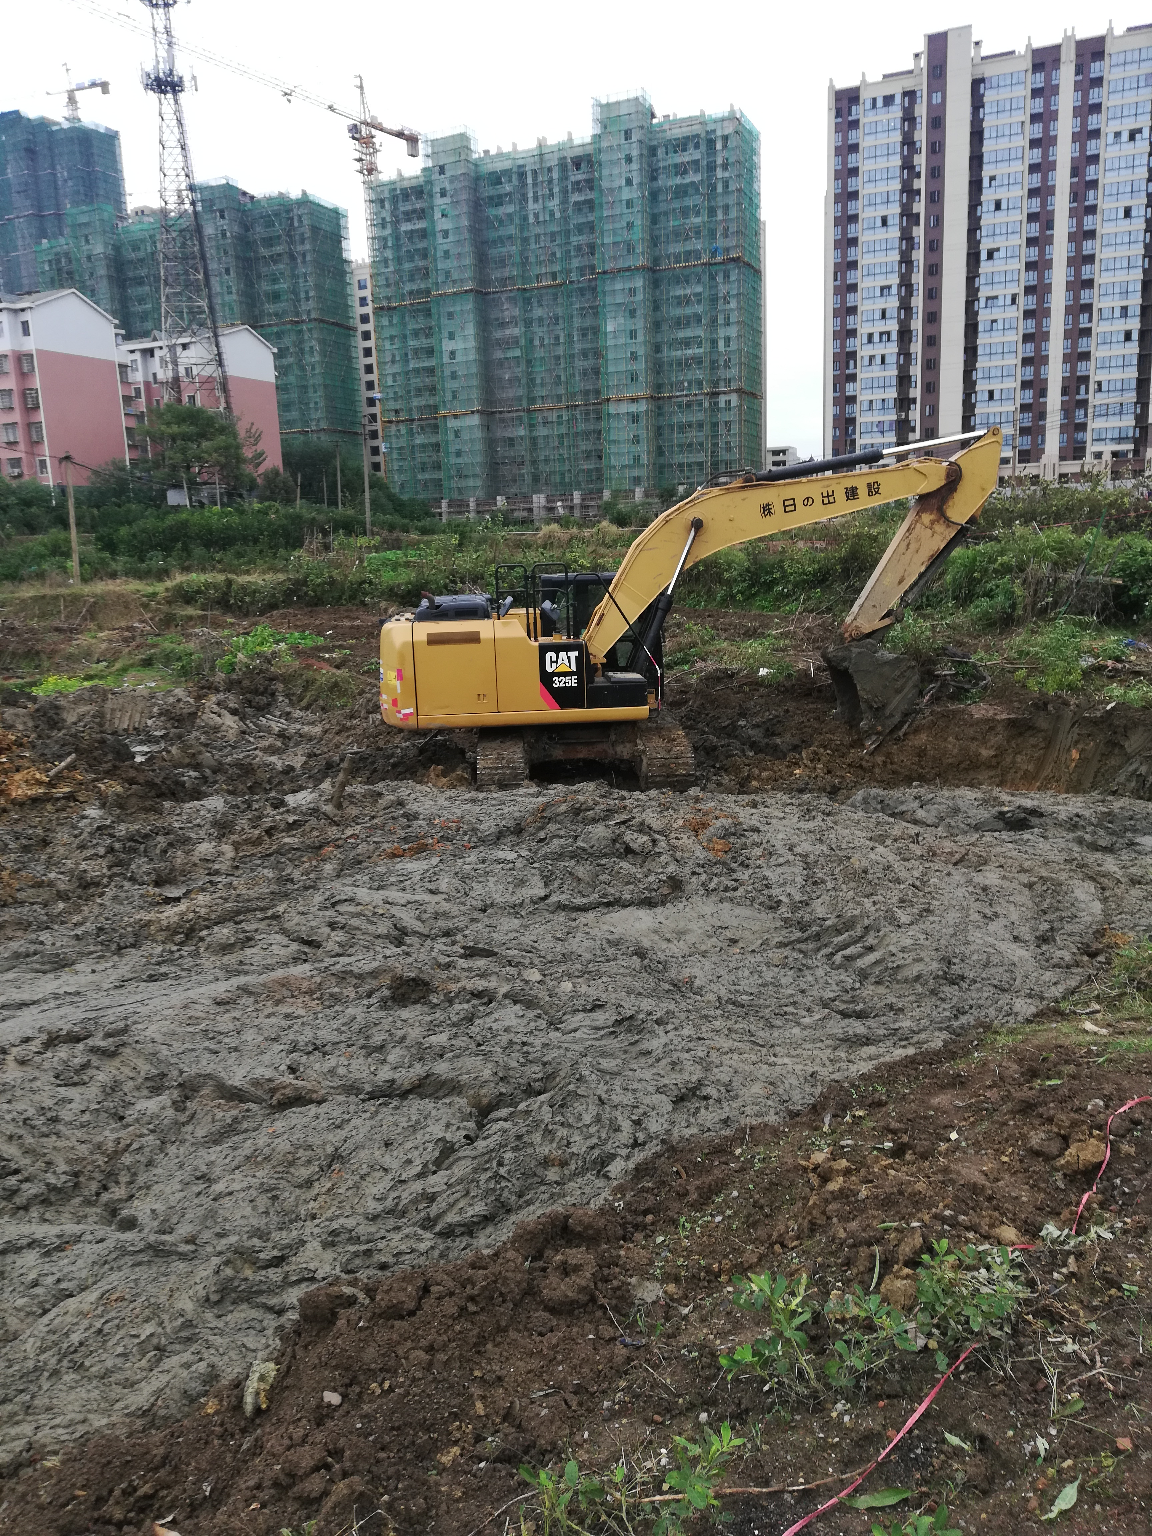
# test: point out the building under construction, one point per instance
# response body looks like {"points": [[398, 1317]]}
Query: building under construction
{"points": [[279, 264], [50, 175], [575, 317]]}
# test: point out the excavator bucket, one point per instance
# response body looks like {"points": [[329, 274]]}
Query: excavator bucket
{"points": [[878, 689]]}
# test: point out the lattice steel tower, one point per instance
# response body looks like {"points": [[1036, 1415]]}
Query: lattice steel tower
{"points": [[187, 310]]}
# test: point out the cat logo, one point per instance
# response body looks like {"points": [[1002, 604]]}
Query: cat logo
{"points": [[562, 674]]}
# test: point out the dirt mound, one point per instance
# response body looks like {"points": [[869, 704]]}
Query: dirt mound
{"points": [[405, 1405]]}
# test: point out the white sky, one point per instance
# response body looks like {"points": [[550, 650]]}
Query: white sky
{"points": [[515, 71]]}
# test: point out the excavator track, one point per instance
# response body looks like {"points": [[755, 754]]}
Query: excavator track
{"points": [[664, 757], [501, 760]]}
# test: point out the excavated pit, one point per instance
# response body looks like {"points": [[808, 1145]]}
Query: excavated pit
{"points": [[251, 1043]]}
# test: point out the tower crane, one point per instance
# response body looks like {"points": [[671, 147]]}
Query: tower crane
{"points": [[363, 130], [72, 106]]}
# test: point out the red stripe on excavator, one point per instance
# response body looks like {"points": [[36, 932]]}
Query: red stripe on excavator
{"points": [[547, 697]]}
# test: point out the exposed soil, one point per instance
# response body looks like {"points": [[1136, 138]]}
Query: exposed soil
{"points": [[253, 1045], [750, 735], [594, 1333]]}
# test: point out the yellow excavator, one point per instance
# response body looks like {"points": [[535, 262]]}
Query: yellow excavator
{"points": [[568, 665]]}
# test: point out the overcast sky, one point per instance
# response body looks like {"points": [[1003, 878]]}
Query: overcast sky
{"points": [[514, 72]]}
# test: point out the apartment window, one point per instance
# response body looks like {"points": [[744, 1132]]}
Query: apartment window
{"points": [[32, 399], [7, 399], [25, 328], [937, 122], [3, 362], [934, 173], [41, 466], [123, 370], [937, 71], [36, 431], [363, 303], [27, 363], [361, 282], [936, 98], [934, 195], [16, 468], [11, 432]]}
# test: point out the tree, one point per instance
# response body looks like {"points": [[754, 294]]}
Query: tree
{"points": [[192, 443]]}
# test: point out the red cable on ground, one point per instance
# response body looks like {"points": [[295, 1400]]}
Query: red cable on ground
{"points": [[844, 1492], [1116, 1113]]}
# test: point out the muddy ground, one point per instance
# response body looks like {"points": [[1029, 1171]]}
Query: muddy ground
{"points": [[252, 1043], [593, 1337]]}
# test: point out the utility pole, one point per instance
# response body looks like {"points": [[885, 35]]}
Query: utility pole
{"points": [[66, 460]]}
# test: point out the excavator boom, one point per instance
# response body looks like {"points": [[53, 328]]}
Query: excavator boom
{"points": [[948, 494]]}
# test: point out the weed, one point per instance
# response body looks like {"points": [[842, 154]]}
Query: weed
{"points": [[920, 1525], [966, 1291], [1137, 695], [912, 636], [697, 1476], [871, 1335], [1062, 651], [556, 1494], [262, 640], [1125, 989], [53, 684], [783, 1349]]}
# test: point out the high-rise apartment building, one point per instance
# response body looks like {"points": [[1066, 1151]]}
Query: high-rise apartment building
{"points": [[581, 316], [279, 264], [986, 238], [365, 316], [48, 172]]}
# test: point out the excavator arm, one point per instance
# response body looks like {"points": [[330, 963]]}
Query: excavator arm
{"points": [[946, 494]]}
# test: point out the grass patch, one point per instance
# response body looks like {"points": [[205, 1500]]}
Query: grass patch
{"points": [[1061, 652], [52, 684], [700, 643], [1123, 989]]}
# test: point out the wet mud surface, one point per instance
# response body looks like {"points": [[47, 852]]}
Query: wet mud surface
{"points": [[251, 1044], [406, 1404]]}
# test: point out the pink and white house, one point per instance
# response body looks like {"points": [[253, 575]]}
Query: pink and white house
{"points": [[70, 385], [59, 387], [249, 362]]}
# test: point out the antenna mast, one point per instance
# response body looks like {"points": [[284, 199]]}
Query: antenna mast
{"points": [[187, 309]]}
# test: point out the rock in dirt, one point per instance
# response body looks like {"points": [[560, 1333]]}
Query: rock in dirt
{"points": [[258, 1386], [1083, 1156], [899, 1290]]}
